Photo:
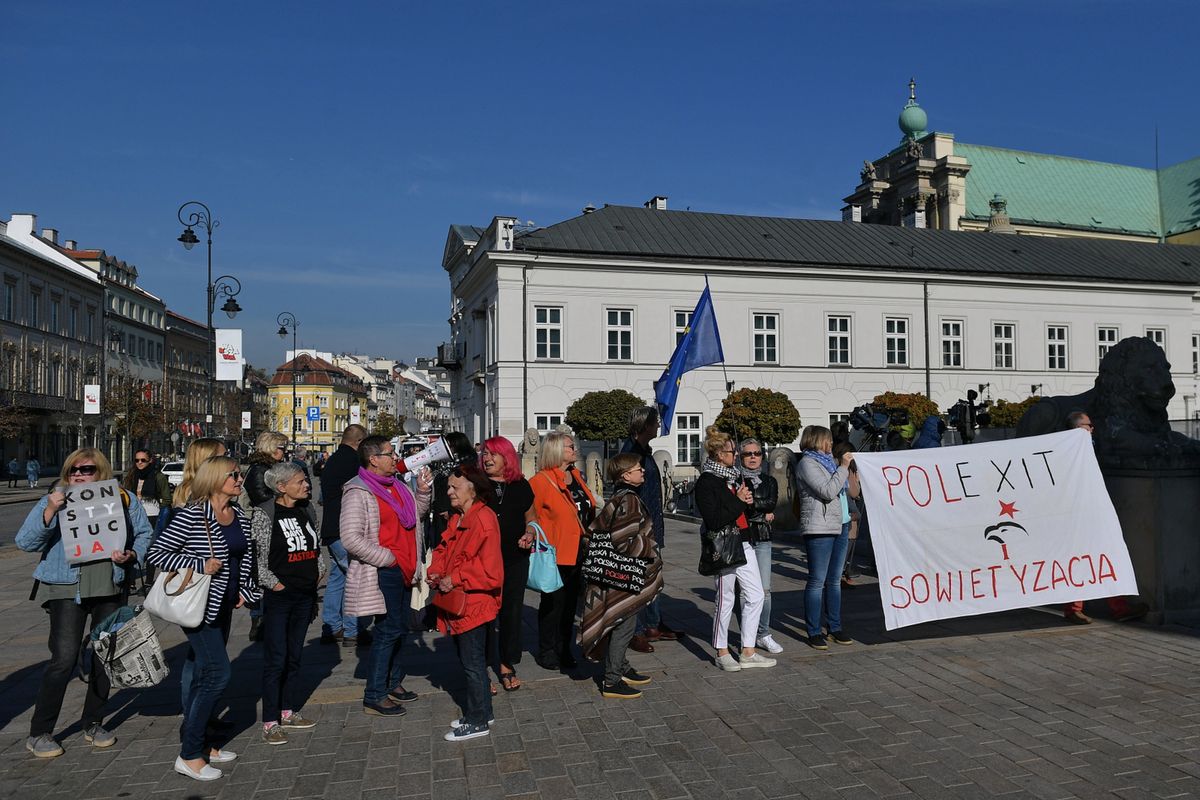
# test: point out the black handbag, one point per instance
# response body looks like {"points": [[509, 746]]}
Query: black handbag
{"points": [[720, 550]]}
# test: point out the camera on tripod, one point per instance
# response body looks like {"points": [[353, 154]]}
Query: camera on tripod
{"points": [[879, 426], [966, 416]]}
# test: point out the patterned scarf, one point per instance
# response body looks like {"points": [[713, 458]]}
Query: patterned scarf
{"points": [[824, 459], [731, 475], [405, 507], [753, 475]]}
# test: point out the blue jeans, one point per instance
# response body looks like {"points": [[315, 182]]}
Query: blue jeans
{"points": [[212, 673], [332, 619], [187, 674], [650, 616], [472, 652], [384, 672], [826, 557], [764, 553], [286, 615]]}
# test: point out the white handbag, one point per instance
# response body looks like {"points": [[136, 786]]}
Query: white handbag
{"points": [[181, 597]]}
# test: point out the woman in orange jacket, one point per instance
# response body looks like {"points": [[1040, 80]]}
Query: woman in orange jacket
{"points": [[468, 559], [564, 507]]}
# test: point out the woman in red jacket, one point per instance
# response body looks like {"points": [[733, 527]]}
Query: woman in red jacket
{"points": [[468, 559]]}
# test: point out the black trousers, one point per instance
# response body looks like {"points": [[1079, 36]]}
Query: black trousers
{"points": [[556, 617], [504, 635], [68, 625], [286, 616]]}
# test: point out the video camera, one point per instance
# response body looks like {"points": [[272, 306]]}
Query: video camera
{"points": [[875, 425], [967, 415]]}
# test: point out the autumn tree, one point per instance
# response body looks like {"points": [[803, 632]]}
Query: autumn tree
{"points": [[764, 414], [386, 425], [1004, 414], [918, 406], [603, 416]]}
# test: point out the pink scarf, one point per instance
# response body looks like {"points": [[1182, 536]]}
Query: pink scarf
{"points": [[405, 507]]}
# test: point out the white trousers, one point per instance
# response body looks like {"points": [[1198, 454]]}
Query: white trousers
{"points": [[748, 578]]}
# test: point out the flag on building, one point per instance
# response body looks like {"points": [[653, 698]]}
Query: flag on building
{"points": [[699, 347]]}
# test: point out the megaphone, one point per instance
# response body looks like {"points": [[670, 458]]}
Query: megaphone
{"points": [[430, 455]]}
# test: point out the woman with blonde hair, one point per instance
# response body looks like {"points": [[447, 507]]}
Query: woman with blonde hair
{"points": [[198, 452], [821, 485], [725, 501], [210, 535], [564, 507], [70, 593]]}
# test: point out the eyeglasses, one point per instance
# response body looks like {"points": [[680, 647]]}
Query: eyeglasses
{"points": [[83, 469], [729, 452], [236, 475], [389, 454], [635, 469], [141, 461], [752, 454]]}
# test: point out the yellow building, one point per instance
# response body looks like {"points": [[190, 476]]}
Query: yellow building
{"points": [[312, 401]]}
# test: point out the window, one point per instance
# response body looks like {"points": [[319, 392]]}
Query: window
{"points": [[297, 425], [35, 309], [91, 324], [839, 340], [895, 341], [682, 320], [952, 342], [1196, 353], [324, 402], [547, 325], [141, 347], [766, 338], [158, 352], [1004, 340], [73, 322], [296, 401], [10, 301], [1105, 338], [619, 333], [1056, 347], [687, 438], [55, 314], [547, 422], [834, 419], [52, 379], [1158, 336], [324, 425]]}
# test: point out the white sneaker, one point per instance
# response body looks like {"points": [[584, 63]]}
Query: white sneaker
{"points": [[458, 722], [756, 660], [769, 644], [728, 663], [206, 772]]}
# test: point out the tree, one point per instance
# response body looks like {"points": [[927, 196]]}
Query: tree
{"points": [[918, 406], [1006, 415], [14, 422], [386, 425], [603, 416], [764, 414]]}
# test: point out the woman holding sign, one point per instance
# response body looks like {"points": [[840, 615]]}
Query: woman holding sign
{"points": [[211, 536], [824, 512], [71, 591]]}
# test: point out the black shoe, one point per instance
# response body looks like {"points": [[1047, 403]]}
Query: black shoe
{"points": [[387, 707], [549, 663], [620, 690], [817, 642], [256, 631], [635, 678], [402, 695], [840, 637], [329, 637], [567, 661]]}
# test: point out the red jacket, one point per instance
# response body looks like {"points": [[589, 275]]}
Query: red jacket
{"points": [[470, 554]]}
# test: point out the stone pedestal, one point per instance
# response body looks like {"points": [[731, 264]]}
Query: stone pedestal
{"points": [[781, 465], [1159, 512]]}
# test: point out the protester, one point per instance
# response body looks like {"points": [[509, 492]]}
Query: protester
{"points": [[765, 490], [14, 472], [512, 500], [211, 535], [287, 552], [1122, 610], [643, 426], [199, 451], [461, 452], [468, 559], [378, 527], [610, 615], [853, 496], [148, 485], [33, 469], [564, 506], [824, 512], [336, 625], [71, 595], [724, 501], [270, 448]]}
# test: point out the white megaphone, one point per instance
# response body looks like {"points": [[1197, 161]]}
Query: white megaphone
{"points": [[430, 455]]}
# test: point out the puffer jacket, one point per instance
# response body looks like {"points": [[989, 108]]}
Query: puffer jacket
{"points": [[256, 480], [766, 497], [358, 525], [820, 509]]}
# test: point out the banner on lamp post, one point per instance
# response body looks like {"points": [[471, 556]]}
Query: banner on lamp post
{"points": [[245, 420], [356, 414], [91, 398], [230, 361]]}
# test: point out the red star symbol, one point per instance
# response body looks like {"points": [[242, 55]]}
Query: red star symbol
{"points": [[1009, 508]]}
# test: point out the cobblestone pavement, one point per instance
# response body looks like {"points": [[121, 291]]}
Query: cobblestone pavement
{"points": [[1014, 704]]}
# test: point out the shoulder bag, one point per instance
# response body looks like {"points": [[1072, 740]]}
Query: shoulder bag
{"points": [[720, 550], [543, 563], [182, 597]]}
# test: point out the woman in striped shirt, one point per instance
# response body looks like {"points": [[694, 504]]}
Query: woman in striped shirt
{"points": [[210, 535]]}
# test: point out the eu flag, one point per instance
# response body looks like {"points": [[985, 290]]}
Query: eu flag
{"points": [[699, 347]]}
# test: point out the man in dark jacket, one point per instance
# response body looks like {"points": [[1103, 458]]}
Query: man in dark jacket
{"points": [[643, 426], [341, 467]]}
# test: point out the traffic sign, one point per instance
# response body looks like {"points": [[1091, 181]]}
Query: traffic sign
{"points": [[314, 413]]}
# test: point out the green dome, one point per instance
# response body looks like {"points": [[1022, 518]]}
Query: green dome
{"points": [[913, 120]]}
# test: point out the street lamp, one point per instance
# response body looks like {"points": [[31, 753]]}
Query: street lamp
{"points": [[225, 286], [287, 320]]}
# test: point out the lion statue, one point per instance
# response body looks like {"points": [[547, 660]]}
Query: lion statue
{"points": [[1128, 408]]}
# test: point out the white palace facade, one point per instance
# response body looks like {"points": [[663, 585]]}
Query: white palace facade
{"points": [[829, 313]]}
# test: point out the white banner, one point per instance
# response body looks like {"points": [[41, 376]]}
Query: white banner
{"points": [[356, 414], [245, 420], [993, 526], [92, 521], [91, 398], [229, 354]]}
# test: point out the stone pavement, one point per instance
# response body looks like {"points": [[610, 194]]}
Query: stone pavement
{"points": [[1014, 704]]}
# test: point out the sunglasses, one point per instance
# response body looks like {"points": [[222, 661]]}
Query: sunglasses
{"points": [[236, 475], [85, 469], [752, 454], [141, 461]]}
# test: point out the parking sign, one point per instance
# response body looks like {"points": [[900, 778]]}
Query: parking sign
{"points": [[314, 413]]}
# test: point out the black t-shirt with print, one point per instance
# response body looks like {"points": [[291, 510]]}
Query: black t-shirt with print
{"points": [[295, 547]]}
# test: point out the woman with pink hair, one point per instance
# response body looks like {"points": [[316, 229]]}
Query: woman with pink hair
{"points": [[513, 504]]}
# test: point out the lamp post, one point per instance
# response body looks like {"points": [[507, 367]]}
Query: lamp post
{"points": [[287, 320], [227, 286]]}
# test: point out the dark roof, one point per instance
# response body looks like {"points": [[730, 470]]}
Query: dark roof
{"points": [[628, 232]]}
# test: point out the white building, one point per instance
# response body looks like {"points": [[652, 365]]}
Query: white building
{"points": [[829, 313], [376, 375]]}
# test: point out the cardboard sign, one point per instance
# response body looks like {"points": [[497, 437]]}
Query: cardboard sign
{"points": [[92, 521], [990, 527]]}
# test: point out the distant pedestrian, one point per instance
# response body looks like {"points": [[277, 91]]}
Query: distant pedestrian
{"points": [[148, 485], [336, 625], [14, 472], [33, 469]]}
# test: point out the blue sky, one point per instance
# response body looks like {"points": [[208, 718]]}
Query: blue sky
{"points": [[337, 142]]}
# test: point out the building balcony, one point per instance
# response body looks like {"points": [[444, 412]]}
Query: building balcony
{"points": [[450, 354]]}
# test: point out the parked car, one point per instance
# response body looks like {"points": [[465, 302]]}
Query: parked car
{"points": [[174, 472]]}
